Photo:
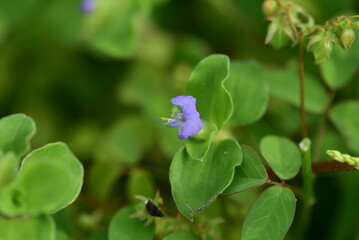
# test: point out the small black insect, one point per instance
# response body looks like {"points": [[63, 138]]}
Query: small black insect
{"points": [[153, 209]]}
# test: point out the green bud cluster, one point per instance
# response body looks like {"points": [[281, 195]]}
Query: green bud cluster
{"points": [[287, 20], [340, 32], [291, 23], [344, 158]]}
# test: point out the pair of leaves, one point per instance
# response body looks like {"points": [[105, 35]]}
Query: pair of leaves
{"points": [[273, 212], [49, 179]]}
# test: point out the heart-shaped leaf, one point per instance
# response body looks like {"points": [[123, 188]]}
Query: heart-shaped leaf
{"points": [[196, 184], [250, 173], [214, 103], [50, 178], [282, 155], [270, 216]]}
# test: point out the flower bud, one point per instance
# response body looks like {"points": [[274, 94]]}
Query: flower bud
{"points": [[269, 7], [347, 38], [322, 50]]}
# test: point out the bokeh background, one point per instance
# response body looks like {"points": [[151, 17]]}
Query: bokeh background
{"points": [[99, 80]]}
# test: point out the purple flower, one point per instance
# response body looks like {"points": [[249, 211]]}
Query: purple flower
{"points": [[188, 120], [87, 5]]}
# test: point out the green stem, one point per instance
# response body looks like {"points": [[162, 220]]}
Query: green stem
{"points": [[301, 83], [307, 179]]}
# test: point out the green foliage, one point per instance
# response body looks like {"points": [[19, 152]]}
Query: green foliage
{"points": [[251, 173], [198, 146], [271, 215], [282, 155], [141, 183], [111, 28], [124, 227], [101, 178], [248, 88], [125, 141], [341, 67], [99, 80], [345, 117], [16, 131], [50, 178], [32, 228], [9, 165], [285, 85], [206, 84], [196, 184], [181, 236]]}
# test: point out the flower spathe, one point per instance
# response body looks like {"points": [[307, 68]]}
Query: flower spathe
{"points": [[187, 121]]}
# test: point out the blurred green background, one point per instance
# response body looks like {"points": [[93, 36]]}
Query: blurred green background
{"points": [[97, 81]]}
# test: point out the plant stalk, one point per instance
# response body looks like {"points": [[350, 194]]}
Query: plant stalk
{"points": [[307, 179], [301, 83]]}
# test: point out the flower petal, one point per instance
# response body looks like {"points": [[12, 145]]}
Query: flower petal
{"points": [[191, 126], [187, 104]]}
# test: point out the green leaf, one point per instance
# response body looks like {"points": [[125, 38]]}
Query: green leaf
{"points": [[144, 87], [123, 227], [345, 117], [249, 92], [140, 182], [50, 178], [15, 134], [60, 235], [9, 165], [111, 27], [125, 141], [251, 173], [282, 155], [198, 146], [214, 103], [181, 236], [101, 178], [342, 65], [196, 184], [29, 228], [271, 215], [284, 84]]}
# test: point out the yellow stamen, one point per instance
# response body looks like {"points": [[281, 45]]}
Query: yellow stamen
{"points": [[163, 119]]}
